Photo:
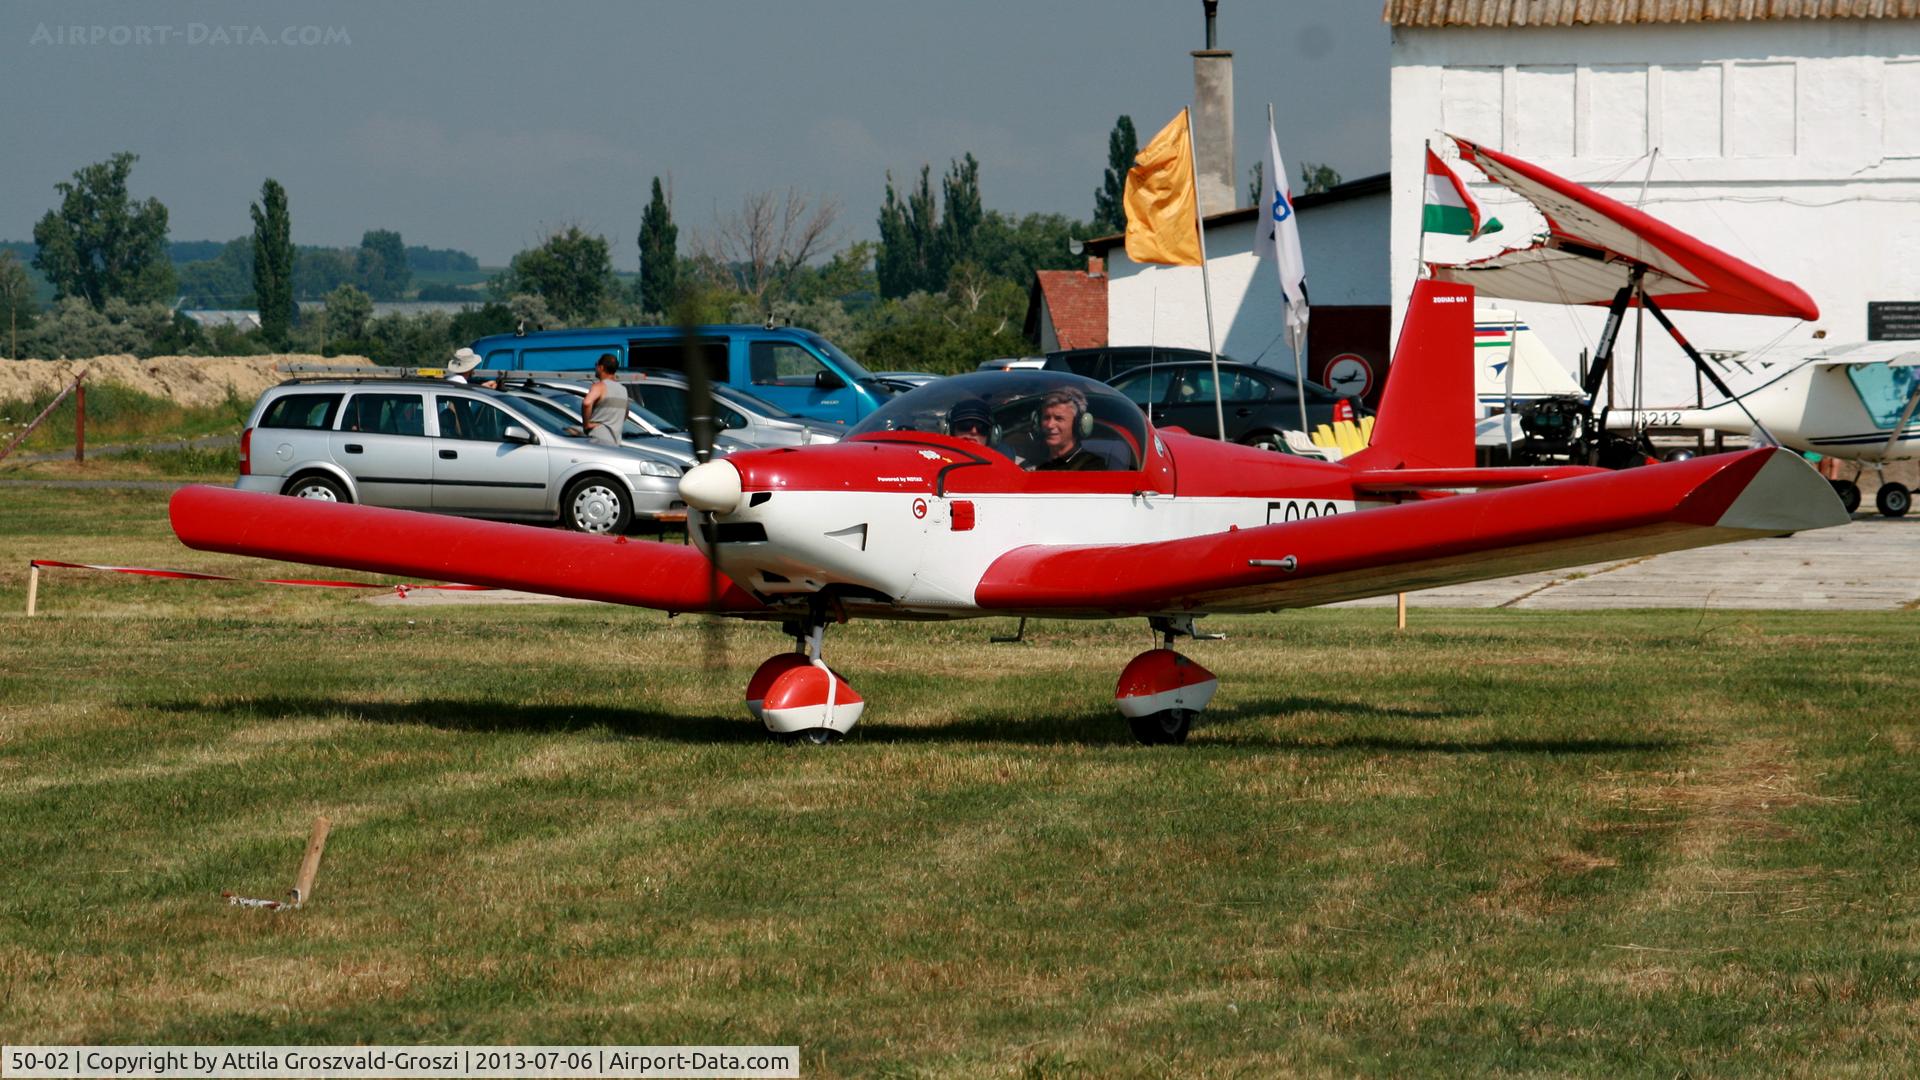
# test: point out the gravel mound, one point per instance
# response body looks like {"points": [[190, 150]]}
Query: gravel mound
{"points": [[186, 380]]}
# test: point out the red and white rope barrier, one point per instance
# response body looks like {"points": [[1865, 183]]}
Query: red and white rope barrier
{"points": [[34, 566]]}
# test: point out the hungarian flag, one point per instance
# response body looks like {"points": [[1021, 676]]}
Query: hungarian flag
{"points": [[1450, 207], [1159, 198]]}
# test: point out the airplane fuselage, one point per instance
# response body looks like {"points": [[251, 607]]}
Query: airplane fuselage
{"points": [[905, 525], [1811, 408]]}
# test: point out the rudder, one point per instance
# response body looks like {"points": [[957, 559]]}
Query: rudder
{"points": [[1426, 410]]}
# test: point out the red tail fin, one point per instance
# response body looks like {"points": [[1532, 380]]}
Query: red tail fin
{"points": [[1426, 409]]}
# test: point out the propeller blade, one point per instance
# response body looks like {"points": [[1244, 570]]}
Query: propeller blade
{"points": [[700, 429]]}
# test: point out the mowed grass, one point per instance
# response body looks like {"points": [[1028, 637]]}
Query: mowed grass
{"points": [[1646, 843]]}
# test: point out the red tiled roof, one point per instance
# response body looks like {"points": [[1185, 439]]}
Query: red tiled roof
{"points": [[1077, 301]]}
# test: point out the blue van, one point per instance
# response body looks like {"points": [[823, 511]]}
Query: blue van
{"points": [[796, 369]]}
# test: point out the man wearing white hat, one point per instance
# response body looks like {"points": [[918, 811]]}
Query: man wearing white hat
{"points": [[465, 360]]}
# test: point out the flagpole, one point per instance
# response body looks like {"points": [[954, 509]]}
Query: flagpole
{"points": [[1206, 284], [1420, 259], [1299, 370]]}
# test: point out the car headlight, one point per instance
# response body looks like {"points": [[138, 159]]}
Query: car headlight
{"points": [[658, 468]]}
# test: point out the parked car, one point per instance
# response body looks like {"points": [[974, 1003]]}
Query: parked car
{"points": [[643, 429], [1259, 403], [1105, 363], [796, 369], [902, 381], [742, 416], [431, 445]]}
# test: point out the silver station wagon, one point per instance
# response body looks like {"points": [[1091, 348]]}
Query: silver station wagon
{"points": [[448, 448]]}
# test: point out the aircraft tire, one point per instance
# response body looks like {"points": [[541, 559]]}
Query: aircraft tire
{"points": [[1893, 500], [1849, 493], [819, 736], [1168, 727]]}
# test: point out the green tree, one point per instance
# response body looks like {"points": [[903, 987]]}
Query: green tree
{"points": [[100, 243], [348, 310], [319, 271], [1109, 206], [224, 281], [572, 271], [1013, 249], [659, 257], [273, 262], [16, 295], [909, 231], [380, 266], [1255, 177], [959, 220], [73, 328], [1315, 177]]}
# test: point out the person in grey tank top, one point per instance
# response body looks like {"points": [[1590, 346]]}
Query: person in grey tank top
{"points": [[604, 412]]}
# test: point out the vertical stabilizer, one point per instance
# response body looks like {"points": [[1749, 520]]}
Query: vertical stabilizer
{"points": [[1426, 409]]}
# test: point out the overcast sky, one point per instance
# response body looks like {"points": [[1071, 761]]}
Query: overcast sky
{"points": [[485, 126]]}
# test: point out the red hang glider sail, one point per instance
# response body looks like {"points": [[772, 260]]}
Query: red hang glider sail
{"points": [[1594, 243]]}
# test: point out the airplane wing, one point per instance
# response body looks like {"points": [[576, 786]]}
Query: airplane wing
{"points": [[1594, 241], [1425, 544], [672, 577]]}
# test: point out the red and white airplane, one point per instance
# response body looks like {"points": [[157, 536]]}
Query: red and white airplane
{"points": [[905, 519]]}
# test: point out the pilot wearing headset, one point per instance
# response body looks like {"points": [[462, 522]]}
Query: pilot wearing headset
{"points": [[1064, 421]]}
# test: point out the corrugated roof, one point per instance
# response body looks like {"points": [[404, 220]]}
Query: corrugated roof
{"points": [[1490, 13]]}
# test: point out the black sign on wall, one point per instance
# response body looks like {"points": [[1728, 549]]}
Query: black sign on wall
{"points": [[1893, 320]]}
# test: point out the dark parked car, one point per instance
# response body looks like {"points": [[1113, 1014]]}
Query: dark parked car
{"points": [[1106, 363], [1259, 402]]}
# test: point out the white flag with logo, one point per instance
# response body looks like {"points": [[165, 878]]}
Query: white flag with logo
{"points": [[1278, 239]]}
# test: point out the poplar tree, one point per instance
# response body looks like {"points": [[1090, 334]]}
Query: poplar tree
{"points": [[1109, 206], [273, 262], [659, 257]]}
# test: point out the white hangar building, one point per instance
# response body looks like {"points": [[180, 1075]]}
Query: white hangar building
{"points": [[1784, 132]]}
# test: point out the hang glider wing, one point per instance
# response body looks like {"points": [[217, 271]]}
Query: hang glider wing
{"points": [[1594, 243], [1426, 544], [644, 573]]}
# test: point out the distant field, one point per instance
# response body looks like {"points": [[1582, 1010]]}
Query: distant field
{"points": [[1500, 843]]}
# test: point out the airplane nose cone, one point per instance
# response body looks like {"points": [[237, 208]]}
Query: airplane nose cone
{"points": [[713, 487]]}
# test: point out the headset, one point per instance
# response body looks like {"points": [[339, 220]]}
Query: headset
{"points": [[1082, 416], [993, 426]]}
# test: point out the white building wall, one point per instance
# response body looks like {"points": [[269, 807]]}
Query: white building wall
{"points": [[1794, 145], [1344, 244]]}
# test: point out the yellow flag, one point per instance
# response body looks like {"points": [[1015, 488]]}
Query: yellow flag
{"points": [[1159, 199]]}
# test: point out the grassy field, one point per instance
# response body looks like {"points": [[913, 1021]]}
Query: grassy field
{"points": [[1642, 843], [120, 414]]}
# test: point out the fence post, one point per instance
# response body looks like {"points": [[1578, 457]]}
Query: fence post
{"points": [[80, 418], [33, 587]]}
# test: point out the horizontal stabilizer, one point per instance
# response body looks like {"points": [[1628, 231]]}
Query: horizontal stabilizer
{"points": [[1425, 544], [671, 577], [1378, 481]]}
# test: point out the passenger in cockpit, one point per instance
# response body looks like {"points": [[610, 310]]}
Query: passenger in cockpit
{"points": [[1064, 421], [970, 419]]}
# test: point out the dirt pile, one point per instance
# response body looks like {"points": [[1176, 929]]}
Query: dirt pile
{"points": [[185, 380]]}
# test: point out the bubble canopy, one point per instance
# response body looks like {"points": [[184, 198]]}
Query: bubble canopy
{"points": [[1115, 430]]}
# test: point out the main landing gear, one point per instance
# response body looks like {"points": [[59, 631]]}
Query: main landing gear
{"points": [[798, 697], [1161, 692]]}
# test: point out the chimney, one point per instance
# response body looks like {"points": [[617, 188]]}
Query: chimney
{"points": [[1213, 122]]}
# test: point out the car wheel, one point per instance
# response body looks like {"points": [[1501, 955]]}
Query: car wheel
{"points": [[1894, 500], [317, 487], [596, 504], [1849, 493], [1168, 727], [1267, 440]]}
